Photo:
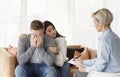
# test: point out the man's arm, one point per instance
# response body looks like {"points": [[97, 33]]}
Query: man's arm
{"points": [[47, 56], [24, 55]]}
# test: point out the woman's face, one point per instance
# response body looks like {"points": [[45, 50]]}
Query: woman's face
{"points": [[51, 31], [98, 26]]}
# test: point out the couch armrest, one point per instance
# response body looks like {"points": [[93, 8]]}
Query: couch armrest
{"points": [[92, 53], [7, 63], [74, 46]]}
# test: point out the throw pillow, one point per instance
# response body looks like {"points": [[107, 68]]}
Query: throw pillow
{"points": [[12, 50], [84, 54]]}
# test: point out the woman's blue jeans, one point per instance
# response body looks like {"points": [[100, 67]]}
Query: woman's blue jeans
{"points": [[63, 71], [35, 70]]}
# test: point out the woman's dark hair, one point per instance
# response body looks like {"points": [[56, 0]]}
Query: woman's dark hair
{"points": [[48, 23]]}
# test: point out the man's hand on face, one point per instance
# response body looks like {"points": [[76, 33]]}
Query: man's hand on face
{"points": [[33, 40], [39, 41]]}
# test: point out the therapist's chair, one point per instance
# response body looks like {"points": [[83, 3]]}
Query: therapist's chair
{"points": [[103, 74]]}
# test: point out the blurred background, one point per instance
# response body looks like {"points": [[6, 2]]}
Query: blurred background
{"points": [[72, 19]]}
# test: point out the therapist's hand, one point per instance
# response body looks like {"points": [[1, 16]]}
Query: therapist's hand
{"points": [[81, 68]]}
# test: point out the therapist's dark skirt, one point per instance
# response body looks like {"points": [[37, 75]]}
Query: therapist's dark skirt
{"points": [[80, 74]]}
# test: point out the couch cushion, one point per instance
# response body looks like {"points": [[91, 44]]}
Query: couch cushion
{"points": [[71, 51], [93, 53]]}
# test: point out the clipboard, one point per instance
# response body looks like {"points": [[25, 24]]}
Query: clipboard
{"points": [[77, 63]]}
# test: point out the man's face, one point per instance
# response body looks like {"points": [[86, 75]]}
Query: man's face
{"points": [[37, 33]]}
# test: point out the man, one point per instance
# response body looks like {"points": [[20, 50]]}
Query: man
{"points": [[34, 55]]}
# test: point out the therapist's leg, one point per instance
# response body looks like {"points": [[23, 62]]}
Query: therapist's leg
{"points": [[80, 74]]}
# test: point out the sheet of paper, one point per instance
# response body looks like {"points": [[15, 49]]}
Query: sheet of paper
{"points": [[75, 62]]}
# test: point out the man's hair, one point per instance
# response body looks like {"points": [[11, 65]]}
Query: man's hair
{"points": [[103, 16], [36, 25]]}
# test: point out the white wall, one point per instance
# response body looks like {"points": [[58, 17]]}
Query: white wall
{"points": [[9, 22], [80, 28], [58, 13], [72, 18]]}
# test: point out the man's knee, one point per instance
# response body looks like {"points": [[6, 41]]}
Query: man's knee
{"points": [[50, 72], [51, 69], [19, 70]]}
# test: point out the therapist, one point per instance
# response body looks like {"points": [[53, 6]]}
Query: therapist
{"points": [[108, 52]]}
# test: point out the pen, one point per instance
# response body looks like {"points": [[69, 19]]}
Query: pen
{"points": [[77, 56]]}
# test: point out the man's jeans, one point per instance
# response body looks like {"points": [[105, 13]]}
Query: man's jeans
{"points": [[33, 70]]}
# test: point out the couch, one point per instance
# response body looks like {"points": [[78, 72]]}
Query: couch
{"points": [[8, 61]]}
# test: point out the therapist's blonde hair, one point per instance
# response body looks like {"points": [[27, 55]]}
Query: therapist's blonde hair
{"points": [[103, 16]]}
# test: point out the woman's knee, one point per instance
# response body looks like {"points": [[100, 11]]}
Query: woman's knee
{"points": [[66, 66]]}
